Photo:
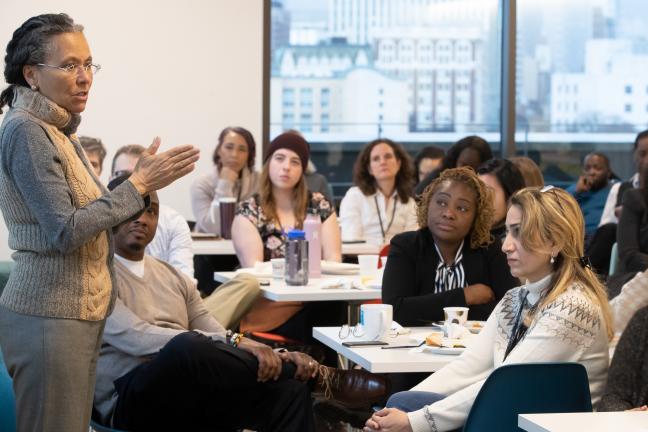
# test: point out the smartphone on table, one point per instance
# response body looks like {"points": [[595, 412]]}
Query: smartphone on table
{"points": [[363, 343]]}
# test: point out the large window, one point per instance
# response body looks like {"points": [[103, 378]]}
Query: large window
{"points": [[345, 72], [429, 72], [581, 84]]}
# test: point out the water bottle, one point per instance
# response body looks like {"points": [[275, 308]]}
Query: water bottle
{"points": [[296, 258], [313, 230]]}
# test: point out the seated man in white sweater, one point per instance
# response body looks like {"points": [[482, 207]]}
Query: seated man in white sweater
{"points": [[561, 314], [167, 364], [172, 241]]}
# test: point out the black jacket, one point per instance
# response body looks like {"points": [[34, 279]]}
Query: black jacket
{"points": [[632, 233], [408, 281], [627, 384]]}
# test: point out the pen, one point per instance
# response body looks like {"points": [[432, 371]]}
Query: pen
{"points": [[402, 346]]}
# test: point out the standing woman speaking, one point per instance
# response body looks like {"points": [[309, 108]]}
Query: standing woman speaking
{"points": [[59, 218]]}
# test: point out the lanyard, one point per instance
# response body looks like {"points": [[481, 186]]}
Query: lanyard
{"points": [[382, 229], [519, 328]]}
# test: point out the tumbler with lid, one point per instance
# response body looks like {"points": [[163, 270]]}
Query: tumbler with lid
{"points": [[296, 258]]}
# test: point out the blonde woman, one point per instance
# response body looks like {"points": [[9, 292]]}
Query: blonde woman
{"points": [[561, 313]]}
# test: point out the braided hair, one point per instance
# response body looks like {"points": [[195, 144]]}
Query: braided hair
{"points": [[30, 45]]}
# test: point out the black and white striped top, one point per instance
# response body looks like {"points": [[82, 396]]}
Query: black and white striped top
{"points": [[452, 276]]}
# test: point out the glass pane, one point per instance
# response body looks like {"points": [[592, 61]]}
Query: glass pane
{"points": [[420, 72], [581, 84]]}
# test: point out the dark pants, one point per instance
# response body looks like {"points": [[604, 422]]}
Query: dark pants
{"points": [[300, 328], [197, 384], [206, 265], [313, 314], [409, 401]]}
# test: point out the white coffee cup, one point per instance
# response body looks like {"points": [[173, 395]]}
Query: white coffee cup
{"points": [[376, 321], [456, 314], [278, 267], [455, 317], [368, 265]]}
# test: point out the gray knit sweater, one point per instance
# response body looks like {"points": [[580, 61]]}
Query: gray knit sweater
{"points": [[63, 239]]}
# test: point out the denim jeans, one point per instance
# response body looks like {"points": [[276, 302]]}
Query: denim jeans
{"points": [[409, 401]]}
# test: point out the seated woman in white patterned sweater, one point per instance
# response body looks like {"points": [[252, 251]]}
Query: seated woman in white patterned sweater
{"points": [[560, 314]]}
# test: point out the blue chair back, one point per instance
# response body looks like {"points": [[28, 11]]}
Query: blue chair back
{"points": [[7, 400], [528, 388]]}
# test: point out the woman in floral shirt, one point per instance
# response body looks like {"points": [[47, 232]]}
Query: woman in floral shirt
{"points": [[260, 227], [270, 231]]}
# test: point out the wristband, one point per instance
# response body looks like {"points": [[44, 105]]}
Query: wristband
{"points": [[233, 338]]}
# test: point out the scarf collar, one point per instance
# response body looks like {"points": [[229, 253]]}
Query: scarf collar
{"points": [[44, 109], [535, 289]]}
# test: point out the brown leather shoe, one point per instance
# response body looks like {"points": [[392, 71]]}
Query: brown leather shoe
{"points": [[354, 388]]}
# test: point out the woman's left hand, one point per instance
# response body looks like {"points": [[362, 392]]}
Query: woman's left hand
{"points": [[388, 420]]}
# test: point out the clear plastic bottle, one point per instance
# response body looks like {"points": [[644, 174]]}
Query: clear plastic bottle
{"points": [[313, 230], [296, 258]]}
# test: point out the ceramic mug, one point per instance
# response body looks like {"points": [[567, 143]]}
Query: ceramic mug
{"points": [[376, 321], [455, 318]]}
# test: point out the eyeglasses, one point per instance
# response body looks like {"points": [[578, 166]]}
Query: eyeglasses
{"points": [[73, 68], [347, 330], [359, 331]]}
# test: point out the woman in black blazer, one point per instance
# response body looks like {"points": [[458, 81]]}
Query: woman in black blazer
{"points": [[455, 215]]}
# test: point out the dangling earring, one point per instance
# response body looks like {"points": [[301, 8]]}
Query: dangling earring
{"points": [[552, 260], [33, 87]]}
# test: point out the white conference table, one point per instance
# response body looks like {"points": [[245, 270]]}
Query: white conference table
{"points": [[628, 421], [211, 246], [278, 290], [377, 360]]}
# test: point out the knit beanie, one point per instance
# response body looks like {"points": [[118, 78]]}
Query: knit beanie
{"points": [[290, 141]]}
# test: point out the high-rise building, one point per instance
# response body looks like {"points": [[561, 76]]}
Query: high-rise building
{"points": [[335, 88], [280, 28]]}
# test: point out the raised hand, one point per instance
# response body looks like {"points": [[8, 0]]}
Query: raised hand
{"points": [[155, 171]]}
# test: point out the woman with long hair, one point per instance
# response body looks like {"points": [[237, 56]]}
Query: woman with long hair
{"points": [[262, 222], [560, 314], [380, 205]]}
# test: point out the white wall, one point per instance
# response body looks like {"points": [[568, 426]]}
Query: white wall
{"points": [[182, 70]]}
